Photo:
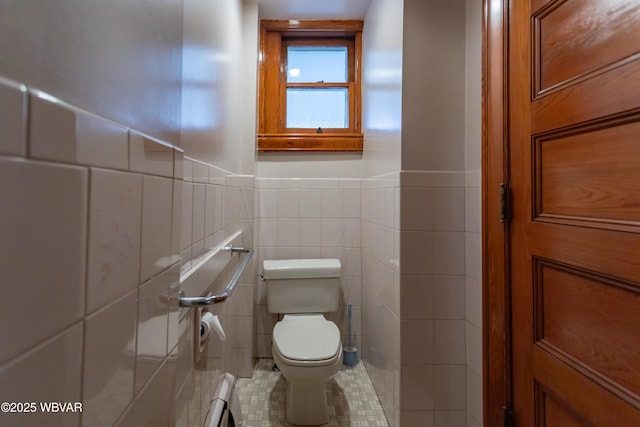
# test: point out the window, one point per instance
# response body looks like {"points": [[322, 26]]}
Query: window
{"points": [[309, 94]]}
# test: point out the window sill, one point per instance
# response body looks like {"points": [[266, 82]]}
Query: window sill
{"points": [[310, 142]]}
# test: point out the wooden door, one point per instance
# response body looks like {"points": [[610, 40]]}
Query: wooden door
{"points": [[574, 154]]}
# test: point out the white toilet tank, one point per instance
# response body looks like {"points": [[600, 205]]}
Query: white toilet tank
{"points": [[302, 285]]}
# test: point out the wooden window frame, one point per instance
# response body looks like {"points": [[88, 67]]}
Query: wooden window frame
{"points": [[275, 37]]}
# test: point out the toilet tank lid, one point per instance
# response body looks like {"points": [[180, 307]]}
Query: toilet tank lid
{"points": [[301, 268]]}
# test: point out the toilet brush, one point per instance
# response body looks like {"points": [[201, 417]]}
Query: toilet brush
{"points": [[350, 353]]}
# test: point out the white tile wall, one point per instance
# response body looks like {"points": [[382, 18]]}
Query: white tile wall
{"points": [[93, 223], [449, 387], [59, 132], [417, 342], [13, 118], [418, 298], [109, 360], [473, 258], [473, 301], [417, 388], [419, 214], [200, 172], [308, 218], [449, 342], [199, 213], [153, 314], [449, 297], [474, 396], [474, 347], [43, 228], [213, 209], [417, 418], [214, 206], [473, 297], [448, 253], [417, 252], [447, 214], [118, 225], [433, 269], [153, 405], [39, 376], [383, 338], [114, 236], [450, 419], [155, 246], [150, 156]]}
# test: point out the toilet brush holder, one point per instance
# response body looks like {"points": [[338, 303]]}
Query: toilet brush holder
{"points": [[350, 356], [350, 352]]}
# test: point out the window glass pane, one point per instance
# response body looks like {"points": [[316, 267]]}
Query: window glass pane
{"points": [[313, 108], [312, 64]]}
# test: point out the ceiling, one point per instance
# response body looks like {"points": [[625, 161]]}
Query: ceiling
{"points": [[313, 9]]}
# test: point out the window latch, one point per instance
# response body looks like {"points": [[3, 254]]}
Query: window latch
{"points": [[319, 130]]}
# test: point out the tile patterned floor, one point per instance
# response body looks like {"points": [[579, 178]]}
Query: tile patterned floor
{"points": [[352, 400]]}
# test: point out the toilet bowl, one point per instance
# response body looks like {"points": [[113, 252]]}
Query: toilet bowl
{"points": [[308, 351], [306, 346]]}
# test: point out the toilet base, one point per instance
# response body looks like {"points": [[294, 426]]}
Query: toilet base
{"points": [[307, 406]]}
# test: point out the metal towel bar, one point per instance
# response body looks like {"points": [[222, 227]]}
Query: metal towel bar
{"points": [[226, 294]]}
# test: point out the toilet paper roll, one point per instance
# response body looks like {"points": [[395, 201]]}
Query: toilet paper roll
{"points": [[210, 322]]}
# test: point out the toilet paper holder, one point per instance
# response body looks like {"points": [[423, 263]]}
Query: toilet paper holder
{"points": [[185, 301]]}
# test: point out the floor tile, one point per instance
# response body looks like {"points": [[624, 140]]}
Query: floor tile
{"points": [[352, 400]]}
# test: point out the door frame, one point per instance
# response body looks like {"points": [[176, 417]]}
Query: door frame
{"points": [[496, 295]]}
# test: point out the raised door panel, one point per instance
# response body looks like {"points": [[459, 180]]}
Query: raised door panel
{"points": [[573, 39]]}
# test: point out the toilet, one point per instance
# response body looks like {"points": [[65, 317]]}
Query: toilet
{"points": [[306, 346]]}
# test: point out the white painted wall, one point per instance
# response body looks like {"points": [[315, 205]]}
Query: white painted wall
{"points": [[326, 9], [120, 60], [382, 87], [433, 112], [249, 86], [212, 101], [473, 85]]}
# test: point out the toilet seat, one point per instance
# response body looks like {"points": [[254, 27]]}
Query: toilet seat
{"points": [[307, 340]]}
